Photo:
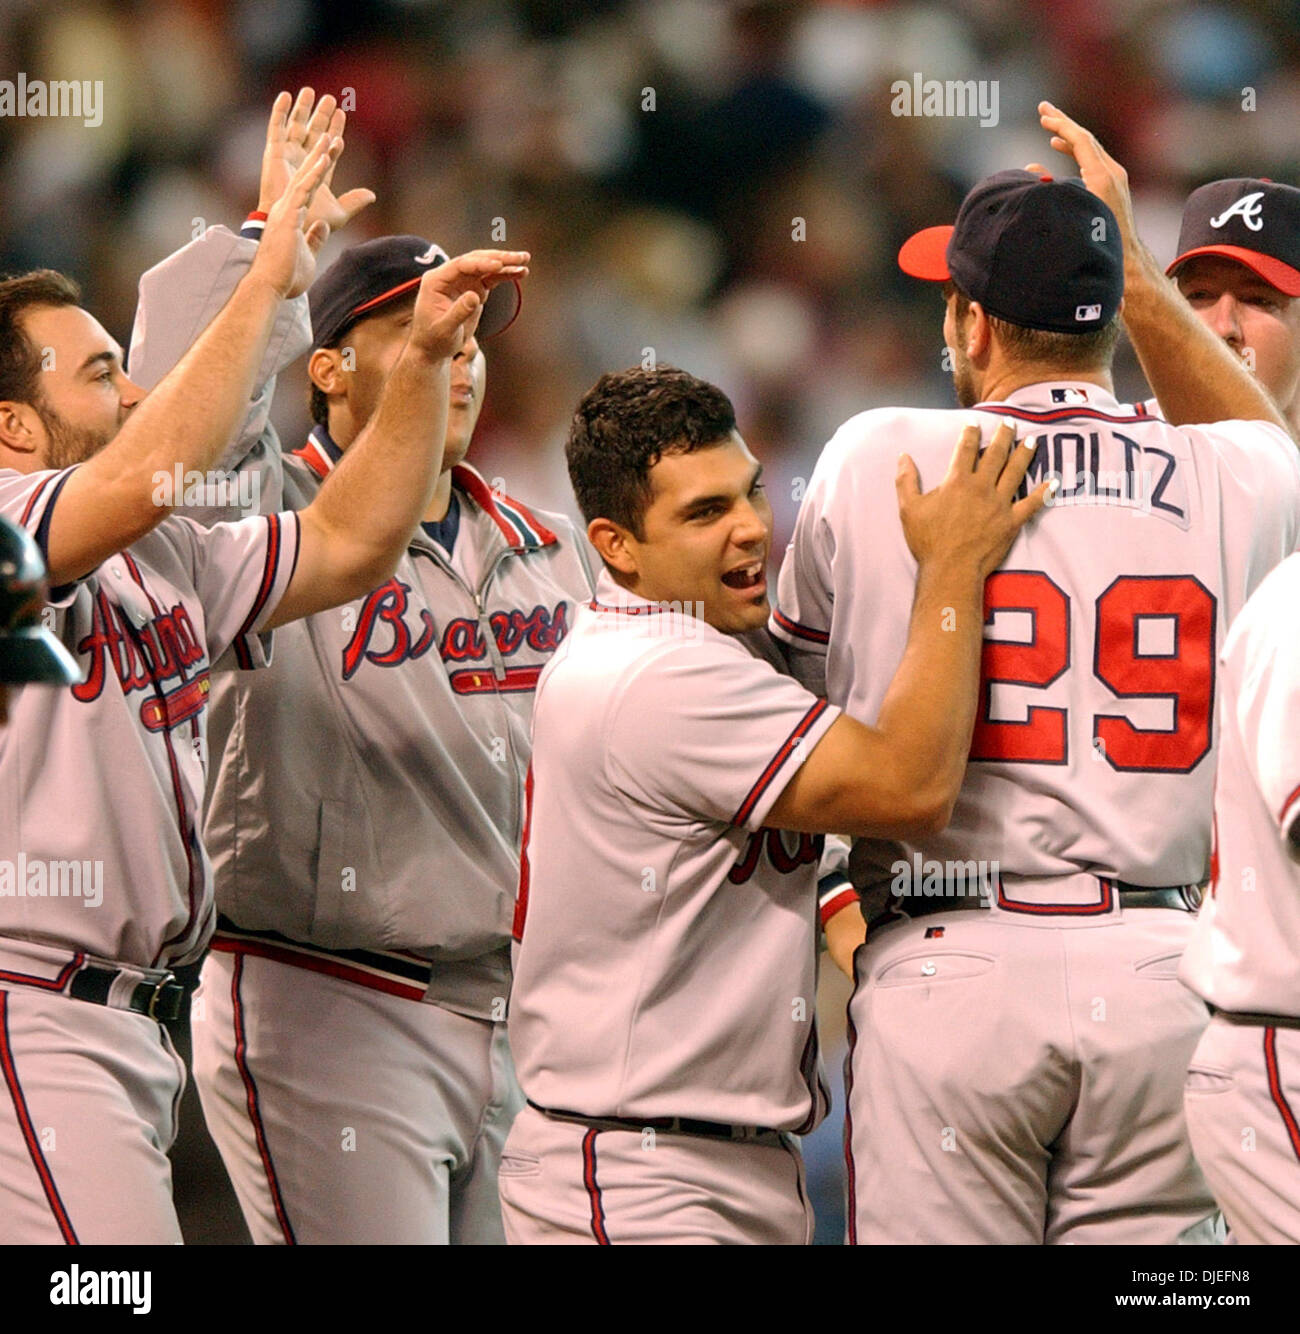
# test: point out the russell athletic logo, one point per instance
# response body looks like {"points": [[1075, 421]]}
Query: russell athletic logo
{"points": [[1248, 207], [103, 1287]]}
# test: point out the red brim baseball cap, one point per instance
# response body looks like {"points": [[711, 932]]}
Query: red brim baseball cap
{"points": [[925, 255], [1250, 220], [1273, 271], [1037, 252], [371, 275]]}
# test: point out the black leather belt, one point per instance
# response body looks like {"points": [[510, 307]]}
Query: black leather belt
{"points": [[1253, 1018], [673, 1125], [1186, 898], [165, 1000]]}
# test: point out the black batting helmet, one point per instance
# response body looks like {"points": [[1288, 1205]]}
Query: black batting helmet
{"points": [[28, 651]]}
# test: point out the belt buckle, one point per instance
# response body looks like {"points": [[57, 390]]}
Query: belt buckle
{"points": [[152, 1011]]}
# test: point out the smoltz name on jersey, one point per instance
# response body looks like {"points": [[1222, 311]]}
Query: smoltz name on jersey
{"points": [[1106, 467]]}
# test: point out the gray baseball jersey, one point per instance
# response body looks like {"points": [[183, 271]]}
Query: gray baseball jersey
{"points": [[124, 809], [104, 882], [1091, 768], [1102, 628], [1243, 1084], [666, 964]]}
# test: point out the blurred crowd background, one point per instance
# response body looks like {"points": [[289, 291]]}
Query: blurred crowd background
{"points": [[719, 185]]}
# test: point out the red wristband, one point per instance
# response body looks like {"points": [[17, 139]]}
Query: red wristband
{"points": [[256, 216]]}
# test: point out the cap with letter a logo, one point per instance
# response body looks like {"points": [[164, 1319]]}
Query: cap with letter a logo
{"points": [[1255, 222], [370, 275], [1037, 252]]}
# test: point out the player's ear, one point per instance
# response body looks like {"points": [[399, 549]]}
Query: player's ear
{"points": [[21, 429], [325, 370], [978, 332], [612, 543]]}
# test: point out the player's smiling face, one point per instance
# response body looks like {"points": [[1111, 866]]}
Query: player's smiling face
{"points": [[1251, 316], [707, 535], [377, 342], [85, 395]]}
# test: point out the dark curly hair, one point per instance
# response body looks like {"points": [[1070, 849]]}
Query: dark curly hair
{"points": [[625, 424]]}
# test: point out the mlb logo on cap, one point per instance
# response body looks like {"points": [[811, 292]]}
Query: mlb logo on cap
{"points": [[1087, 313]]}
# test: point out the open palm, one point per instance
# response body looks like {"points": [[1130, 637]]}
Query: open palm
{"points": [[293, 130]]}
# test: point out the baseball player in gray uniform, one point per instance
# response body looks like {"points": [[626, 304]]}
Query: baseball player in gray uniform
{"points": [[1242, 1096], [104, 884], [366, 801], [1020, 1033], [662, 1016]]}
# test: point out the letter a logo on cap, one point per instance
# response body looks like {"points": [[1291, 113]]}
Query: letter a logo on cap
{"points": [[430, 256], [1082, 313], [1250, 209]]}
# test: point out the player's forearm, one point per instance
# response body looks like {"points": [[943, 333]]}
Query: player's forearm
{"points": [[928, 714], [374, 499], [114, 498], [1195, 375]]}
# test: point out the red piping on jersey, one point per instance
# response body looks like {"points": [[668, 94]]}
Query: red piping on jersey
{"points": [[593, 1190], [47, 983], [520, 526], [254, 1111], [841, 900], [848, 1129], [314, 963], [178, 789], [517, 522], [32, 499], [521, 898], [1275, 1091], [1048, 415], [270, 568], [640, 609], [313, 456], [1287, 804], [28, 1130], [1105, 905], [777, 760], [800, 631]]}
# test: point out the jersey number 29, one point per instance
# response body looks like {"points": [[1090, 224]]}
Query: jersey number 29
{"points": [[1184, 674]]}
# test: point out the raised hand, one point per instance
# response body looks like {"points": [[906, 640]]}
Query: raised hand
{"points": [[451, 297], [1098, 170], [286, 257], [295, 127]]}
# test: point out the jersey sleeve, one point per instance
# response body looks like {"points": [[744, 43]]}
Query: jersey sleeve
{"points": [[178, 299], [705, 732], [1264, 652], [28, 499], [801, 618], [240, 571]]}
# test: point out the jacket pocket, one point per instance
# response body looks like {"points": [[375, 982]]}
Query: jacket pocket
{"points": [[345, 904]]}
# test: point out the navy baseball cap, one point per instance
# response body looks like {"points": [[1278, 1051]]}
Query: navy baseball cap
{"points": [[1254, 221], [1034, 251], [369, 276]]}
